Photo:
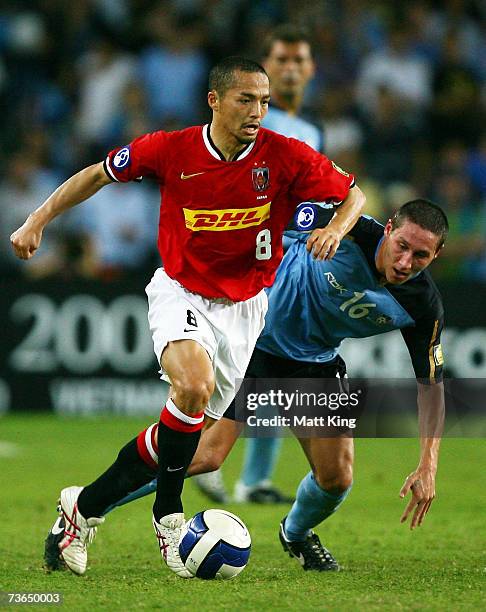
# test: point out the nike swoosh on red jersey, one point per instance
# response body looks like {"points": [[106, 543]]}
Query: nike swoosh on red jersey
{"points": [[184, 177]]}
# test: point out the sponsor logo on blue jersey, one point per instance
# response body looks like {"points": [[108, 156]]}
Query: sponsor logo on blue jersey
{"points": [[122, 158], [305, 216]]}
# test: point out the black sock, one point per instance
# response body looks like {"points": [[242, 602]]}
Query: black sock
{"points": [[127, 474], [176, 450]]}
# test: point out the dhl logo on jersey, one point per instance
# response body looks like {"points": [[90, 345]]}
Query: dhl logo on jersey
{"points": [[224, 220]]}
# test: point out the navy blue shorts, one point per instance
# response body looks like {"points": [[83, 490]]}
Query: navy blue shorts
{"points": [[265, 365]]}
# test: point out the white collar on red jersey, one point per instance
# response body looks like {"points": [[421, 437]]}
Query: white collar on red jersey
{"points": [[215, 152]]}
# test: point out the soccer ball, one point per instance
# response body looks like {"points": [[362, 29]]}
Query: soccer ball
{"points": [[215, 544]]}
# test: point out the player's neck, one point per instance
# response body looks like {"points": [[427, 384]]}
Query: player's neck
{"points": [[225, 142], [290, 104]]}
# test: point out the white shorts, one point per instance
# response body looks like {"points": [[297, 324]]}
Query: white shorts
{"points": [[227, 330]]}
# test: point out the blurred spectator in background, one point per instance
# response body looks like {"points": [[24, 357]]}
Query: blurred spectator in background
{"points": [[131, 118], [397, 68], [426, 35], [23, 38], [335, 65], [104, 73], [344, 136], [174, 62], [122, 223], [476, 166], [219, 17], [476, 265], [394, 195], [256, 20], [26, 185], [456, 109], [464, 16], [466, 242], [389, 137], [343, 133]]}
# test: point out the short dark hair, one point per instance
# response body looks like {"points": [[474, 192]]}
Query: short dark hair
{"points": [[222, 76], [287, 33], [424, 213]]}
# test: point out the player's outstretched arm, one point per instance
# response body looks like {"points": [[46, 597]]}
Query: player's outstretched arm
{"points": [[324, 242], [26, 240], [421, 482]]}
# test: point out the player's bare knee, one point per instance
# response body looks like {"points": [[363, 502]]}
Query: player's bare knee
{"points": [[192, 396], [335, 480]]}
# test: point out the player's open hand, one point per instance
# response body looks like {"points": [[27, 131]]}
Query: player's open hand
{"points": [[421, 484], [26, 240], [323, 242]]}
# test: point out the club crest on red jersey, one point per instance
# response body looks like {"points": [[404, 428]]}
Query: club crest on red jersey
{"points": [[260, 178]]}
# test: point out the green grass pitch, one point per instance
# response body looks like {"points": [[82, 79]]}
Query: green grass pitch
{"points": [[439, 566]]}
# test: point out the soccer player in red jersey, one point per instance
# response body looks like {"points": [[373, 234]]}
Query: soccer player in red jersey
{"points": [[228, 190]]}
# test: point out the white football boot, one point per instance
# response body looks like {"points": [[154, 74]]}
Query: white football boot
{"points": [[212, 485], [78, 531], [169, 533]]}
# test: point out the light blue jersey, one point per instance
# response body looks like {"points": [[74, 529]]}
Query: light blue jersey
{"points": [[293, 127], [314, 305]]}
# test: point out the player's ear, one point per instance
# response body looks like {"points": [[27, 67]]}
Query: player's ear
{"points": [[312, 69], [388, 228], [213, 100], [438, 251]]}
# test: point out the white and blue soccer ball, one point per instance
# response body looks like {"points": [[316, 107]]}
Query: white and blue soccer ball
{"points": [[215, 544]]}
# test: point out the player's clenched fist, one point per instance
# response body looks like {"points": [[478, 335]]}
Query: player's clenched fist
{"points": [[26, 240]]}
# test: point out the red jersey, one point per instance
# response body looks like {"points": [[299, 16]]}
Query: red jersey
{"points": [[221, 222]]}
